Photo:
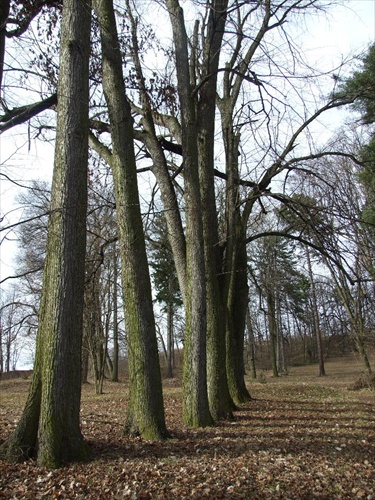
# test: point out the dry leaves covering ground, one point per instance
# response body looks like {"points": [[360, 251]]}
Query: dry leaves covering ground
{"points": [[301, 437]]}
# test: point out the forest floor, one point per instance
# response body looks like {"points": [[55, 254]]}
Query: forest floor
{"points": [[301, 437]]}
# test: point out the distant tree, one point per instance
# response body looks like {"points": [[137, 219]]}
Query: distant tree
{"points": [[32, 240], [361, 85], [280, 283], [315, 314], [99, 277], [13, 316], [330, 219], [165, 281], [32, 234]]}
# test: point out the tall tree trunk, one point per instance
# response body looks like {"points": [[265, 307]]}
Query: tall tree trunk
{"points": [[146, 409], [281, 362], [235, 364], [159, 167], [220, 401], [49, 426], [195, 397], [235, 288]]}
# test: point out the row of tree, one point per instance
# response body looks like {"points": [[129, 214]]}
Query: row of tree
{"points": [[224, 128]]}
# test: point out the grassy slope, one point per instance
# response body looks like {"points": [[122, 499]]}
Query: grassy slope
{"points": [[302, 436]]}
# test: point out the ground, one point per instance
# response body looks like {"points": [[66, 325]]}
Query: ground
{"points": [[301, 437]]}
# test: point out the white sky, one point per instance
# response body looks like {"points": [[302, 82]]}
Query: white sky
{"points": [[327, 40]]}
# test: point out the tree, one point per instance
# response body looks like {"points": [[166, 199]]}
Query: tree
{"points": [[195, 397], [49, 427], [331, 221], [227, 61], [275, 273], [361, 84], [315, 315], [165, 281], [191, 124], [99, 278], [12, 319], [353, 249], [146, 411]]}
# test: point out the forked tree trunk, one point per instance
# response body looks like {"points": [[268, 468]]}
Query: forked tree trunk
{"points": [[49, 427], [146, 410]]}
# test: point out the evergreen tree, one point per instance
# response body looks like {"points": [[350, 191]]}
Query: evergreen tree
{"points": [[362, 85], [166, 282]]}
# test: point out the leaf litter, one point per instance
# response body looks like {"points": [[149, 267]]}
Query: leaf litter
{"points": [[292, 441]]}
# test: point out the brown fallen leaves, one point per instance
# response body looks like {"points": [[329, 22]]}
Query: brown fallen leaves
{"points": [[295, 440]]}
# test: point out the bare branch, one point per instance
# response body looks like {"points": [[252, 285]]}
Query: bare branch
{"points": [[302, 240], [16, 116], [17, 276]]}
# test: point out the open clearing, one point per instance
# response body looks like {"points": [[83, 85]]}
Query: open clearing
{"points": [[301, 436]]}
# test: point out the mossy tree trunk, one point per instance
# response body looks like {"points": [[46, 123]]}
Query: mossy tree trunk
{"points": [[235, 261], [220, 401], [234, 284], [237, 308], [49, 428], [146, 410], [195, 397]]}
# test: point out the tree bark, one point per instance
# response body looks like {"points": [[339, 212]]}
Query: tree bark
{"points": [[170, 343], [49, 427], [195, 398], [146, 410], [220, 402], [234, 288], [235, 363]]}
